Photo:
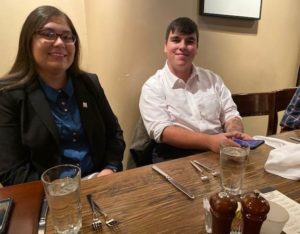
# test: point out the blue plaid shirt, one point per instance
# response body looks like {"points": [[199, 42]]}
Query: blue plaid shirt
{"points": [[291, 117]]}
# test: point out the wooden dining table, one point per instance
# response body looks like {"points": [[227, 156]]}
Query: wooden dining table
{"points": [[144, 202]]}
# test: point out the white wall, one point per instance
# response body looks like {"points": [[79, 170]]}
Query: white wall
{"points": [[13, 14]]}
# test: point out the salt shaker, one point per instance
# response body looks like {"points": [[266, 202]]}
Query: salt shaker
{"points": [[254, 211], [222, 207]]}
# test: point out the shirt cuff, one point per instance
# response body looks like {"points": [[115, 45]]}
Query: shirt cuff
{"points": [[112, 166]]}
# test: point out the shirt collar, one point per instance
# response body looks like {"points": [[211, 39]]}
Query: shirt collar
{"points": [[52, 93], [176, 81]]}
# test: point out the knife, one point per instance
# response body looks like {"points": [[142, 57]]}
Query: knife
{"points": [[295, 139], [43, 214], [174, 182]]}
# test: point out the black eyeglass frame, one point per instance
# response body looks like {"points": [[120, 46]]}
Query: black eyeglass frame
{"points": [[43, 33]]}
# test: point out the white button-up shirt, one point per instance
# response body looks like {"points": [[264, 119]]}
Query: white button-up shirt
{"points": [[202, 104]]}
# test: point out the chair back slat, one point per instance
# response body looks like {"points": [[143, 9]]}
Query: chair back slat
{"points": [[283, 98], [264, 103], [257, 104], [298, 77]]}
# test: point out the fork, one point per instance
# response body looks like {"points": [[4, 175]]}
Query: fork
{"points": [[236, 225], [96, 223], [203, 177], [213, 172], [111, 223]]}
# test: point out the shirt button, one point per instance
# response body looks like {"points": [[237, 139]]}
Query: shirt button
{"points": [[63, 103], [65, 110], [74, 133], [74, 140]]}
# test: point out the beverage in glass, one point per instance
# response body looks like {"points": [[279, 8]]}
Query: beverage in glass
{"points": [[62, 188], [233, 162]]}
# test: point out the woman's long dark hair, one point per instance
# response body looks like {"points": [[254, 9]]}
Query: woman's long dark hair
{"points": [[23, 71]]}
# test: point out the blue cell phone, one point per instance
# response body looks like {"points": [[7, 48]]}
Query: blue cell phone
{"points": [[253, 143]]}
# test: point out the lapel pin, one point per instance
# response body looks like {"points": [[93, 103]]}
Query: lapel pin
{"points": [[84, 105]]}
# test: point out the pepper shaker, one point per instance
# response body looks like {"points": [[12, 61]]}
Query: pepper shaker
{"points": [[222, 207], [254, 211]]}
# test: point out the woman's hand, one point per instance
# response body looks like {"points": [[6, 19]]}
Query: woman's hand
{"points": [[105, 172]]}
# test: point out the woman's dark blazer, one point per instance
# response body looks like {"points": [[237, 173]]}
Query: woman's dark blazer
{"points": [[29, 141]]}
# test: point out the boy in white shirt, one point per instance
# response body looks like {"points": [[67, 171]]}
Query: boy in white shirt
{"points": [[186, 108]]}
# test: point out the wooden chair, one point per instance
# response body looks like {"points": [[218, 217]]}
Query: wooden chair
{"points": [[257, 104], [298, 77], [282, 100]]}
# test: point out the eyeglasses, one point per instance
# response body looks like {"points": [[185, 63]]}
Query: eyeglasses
{"points": [[49, 35]]}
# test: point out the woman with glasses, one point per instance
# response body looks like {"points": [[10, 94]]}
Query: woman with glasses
{"points": [[51, 111]]}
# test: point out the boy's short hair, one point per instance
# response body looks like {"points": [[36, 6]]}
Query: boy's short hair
{"points": [[182, 25]]}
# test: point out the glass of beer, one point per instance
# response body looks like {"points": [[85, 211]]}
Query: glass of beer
{"points": [[62, 188]]}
